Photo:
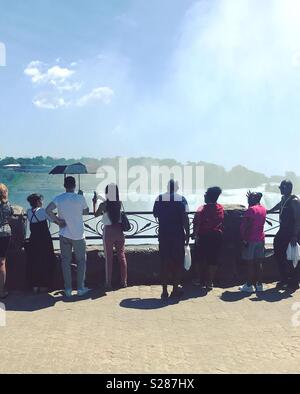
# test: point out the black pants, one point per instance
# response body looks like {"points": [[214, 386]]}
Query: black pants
{"points": [[288, 274], [208, 248], [171, 251]]}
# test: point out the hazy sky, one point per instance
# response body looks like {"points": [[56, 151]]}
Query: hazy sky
{"points": [[212, 80]]}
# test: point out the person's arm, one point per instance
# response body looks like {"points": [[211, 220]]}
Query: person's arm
{"points": [[156, 209], [186, 225], [50, 212], [296, 210], [100, 211], [85, 208], [275, 209], [196, 224], [246, 228]]}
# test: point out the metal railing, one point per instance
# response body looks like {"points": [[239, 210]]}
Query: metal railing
{"points": [[144, 226]]}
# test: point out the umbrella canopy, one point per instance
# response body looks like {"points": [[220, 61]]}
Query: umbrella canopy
{"points": [[72, 169]]}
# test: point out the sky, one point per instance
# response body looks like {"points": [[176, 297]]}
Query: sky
{"points": [[193, 80]]}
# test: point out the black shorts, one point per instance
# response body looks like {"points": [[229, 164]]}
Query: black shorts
{"points": [[171, 250], [4, 245], [208, 248]]}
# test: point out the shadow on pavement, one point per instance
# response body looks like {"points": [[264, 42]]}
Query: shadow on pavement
{"points": [[234, 296], [270, 295], [32, 302], [156, 303]]}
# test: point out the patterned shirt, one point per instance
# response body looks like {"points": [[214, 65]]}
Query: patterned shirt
{"points": [[6, 212]]}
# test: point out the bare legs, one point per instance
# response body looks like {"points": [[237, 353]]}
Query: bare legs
{"points": [[254, 272]]}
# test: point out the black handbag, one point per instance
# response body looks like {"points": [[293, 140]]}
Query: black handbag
{"points": [[125, 223]]}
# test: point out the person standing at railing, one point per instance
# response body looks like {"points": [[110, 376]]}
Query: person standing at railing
{"points": [[6, 213], [39, 250], [289, 232], [253, 237], [71, 207], [113, 235], [208, 233], [171, 210]]}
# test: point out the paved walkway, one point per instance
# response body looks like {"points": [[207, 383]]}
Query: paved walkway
{"points": [[132, 331]]}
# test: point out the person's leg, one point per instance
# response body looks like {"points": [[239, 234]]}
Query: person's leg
{"points": [[293, 282], [248, 259], [196, 265], [2, 275], [66, 260], [178, 255], [280, 248], [164, 271], [200, 262], [120, 247], [80, 255], [258, 272], [108, 243], [259, 255], [213, 250]]}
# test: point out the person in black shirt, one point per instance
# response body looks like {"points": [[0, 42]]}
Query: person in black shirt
{"points": [[289, 232], [171, 210]]}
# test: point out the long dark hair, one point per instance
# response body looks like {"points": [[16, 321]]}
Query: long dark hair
{"points": [[113, 203]]}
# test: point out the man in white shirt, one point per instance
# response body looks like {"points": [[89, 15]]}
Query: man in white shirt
{"points": [[71, 207]]}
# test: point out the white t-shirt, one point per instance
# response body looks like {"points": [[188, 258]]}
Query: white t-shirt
{"points": [[39, 216], [70, 207]]}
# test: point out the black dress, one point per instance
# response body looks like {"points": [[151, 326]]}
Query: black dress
{"points": [[40, 255]]}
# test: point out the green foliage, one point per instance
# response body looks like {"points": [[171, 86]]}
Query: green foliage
{"points": [[237, 177]]}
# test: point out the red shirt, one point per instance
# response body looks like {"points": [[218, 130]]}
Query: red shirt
{"points": [[209, 218], [252, 226]]}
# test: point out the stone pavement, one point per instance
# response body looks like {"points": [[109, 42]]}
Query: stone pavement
{"points": [[133, 331]]}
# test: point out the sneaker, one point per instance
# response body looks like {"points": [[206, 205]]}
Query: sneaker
{"points": [[259, 287], [83, 292], [247, 289], [68, 293]]}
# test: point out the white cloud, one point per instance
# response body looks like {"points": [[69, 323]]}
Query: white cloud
{"points": [[103, 94], [60, 90], [40, 73], [50, 102]]}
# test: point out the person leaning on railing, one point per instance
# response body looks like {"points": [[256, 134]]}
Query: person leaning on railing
{"points": [[6, 213], [289, 232]]}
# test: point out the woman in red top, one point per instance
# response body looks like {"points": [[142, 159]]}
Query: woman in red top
{"points": [[208, 233]]}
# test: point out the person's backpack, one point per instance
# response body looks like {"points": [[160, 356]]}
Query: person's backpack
{"points": [[126, 226]]}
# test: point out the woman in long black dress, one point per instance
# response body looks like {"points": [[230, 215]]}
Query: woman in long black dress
{"points": [[40, 252]]}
